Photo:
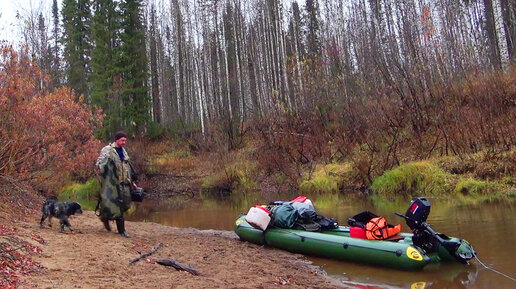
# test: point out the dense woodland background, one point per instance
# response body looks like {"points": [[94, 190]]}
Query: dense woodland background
{"points": [[379, 82], [386, 99]]}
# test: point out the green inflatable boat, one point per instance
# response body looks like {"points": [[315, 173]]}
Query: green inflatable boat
{"points": [[405, 251]]}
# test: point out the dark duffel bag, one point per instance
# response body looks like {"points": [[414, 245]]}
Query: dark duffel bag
{"points": [[309, 226], [361, 219], [137, 195], [327, 223]]}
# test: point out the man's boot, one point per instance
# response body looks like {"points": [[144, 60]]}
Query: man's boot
{"points": [[106, 225], [121, 227]]}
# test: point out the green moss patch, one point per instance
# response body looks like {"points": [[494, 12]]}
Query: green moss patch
{"points": [[413, 179], [327, 179], [475, 190], [235, 176], [85, 194]]}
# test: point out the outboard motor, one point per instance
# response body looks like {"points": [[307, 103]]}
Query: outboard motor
{"points": [[417, 213], [426, 238]]}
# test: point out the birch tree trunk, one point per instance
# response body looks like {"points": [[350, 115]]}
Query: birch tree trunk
{"points": [[501, 38], [176, 14]]}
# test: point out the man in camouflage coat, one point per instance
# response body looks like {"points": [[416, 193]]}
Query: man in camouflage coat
{"points": [[117, 180]]}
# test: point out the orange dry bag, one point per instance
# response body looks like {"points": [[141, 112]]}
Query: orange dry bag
{"points": [[378, 229]]}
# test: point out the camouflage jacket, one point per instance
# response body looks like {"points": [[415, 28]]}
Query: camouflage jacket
{"points": [[116, 177], [108, 153]]}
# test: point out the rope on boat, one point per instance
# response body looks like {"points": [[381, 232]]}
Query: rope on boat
{"points": [[496, 271]]}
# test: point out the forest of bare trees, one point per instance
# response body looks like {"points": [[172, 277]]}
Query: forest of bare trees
{"points": [[231, 59], [238, 59], [407, 69]]}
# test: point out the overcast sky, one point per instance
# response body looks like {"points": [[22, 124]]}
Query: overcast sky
{"points": [[9, 25]]}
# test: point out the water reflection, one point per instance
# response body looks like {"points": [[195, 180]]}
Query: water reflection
{"points": [[488, 227], [433, 276]]}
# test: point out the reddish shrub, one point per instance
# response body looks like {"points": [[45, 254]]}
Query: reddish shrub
{"points": [[41, 130]]}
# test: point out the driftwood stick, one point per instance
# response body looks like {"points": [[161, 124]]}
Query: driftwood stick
{"points": [[177, 266], [146, 254]]}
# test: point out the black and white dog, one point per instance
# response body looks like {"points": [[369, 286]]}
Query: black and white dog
{"points": [[61, 210]]}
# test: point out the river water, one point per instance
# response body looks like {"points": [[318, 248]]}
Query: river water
{"points": [[490, 228]]}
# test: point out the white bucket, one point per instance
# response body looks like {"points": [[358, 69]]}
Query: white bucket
{"points": [[258, 218]]}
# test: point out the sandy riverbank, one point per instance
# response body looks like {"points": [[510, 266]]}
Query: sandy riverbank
{"points": [[91, 257]]}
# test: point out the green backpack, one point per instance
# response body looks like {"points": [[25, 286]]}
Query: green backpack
{"points": [[284, 216]]}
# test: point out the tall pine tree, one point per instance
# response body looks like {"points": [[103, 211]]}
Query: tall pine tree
{"points": [[77, 46], [55, 71], [313, 41], [105, 77], [45, 56], [133, 66]]}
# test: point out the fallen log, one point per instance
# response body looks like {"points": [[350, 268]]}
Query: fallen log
{"points": [[177, 266], [146, 254]]}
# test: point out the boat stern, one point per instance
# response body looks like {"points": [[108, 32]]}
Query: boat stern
{"points": [[463, 252]]}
